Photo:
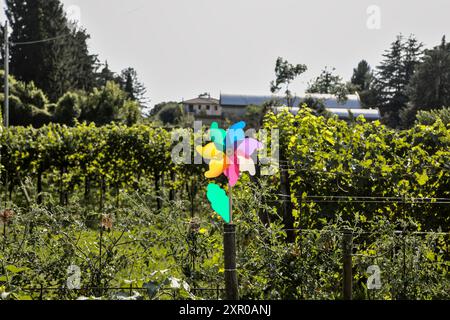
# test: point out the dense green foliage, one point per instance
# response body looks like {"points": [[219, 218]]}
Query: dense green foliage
{"points": [[28, 104], [432, 116], [63, 181], [327, 157], [109, 103], [324, 156]]}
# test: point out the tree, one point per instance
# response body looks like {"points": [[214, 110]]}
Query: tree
{"points": [[412, 57], [362, 76], [55, 54], [135, 89], [158, 107], [23, 17], [325, 83], [393, 76], [170, 113], [68, 108], [285, 73], [429, 88], [363, 81], [110, 104], [28, 104], [329, 83], [105, 75], [85, 65]]}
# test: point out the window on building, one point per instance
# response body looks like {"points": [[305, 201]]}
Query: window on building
{"points": [[216, 108], [191, 108], [208, 107]]}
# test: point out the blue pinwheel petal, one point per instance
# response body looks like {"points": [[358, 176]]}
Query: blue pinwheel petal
{"points": [[235, 134]]}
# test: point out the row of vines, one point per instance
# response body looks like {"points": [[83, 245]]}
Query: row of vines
{"points": [[158, 234]]}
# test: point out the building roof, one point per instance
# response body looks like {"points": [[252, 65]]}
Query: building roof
{"points": [[330, 101], [202, 100], [342, 113], [369, 114]]}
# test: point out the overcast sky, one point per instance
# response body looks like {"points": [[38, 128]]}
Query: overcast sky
{"points": [[181, 48]]}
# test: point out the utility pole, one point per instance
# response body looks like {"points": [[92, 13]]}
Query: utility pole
{"points": [[6, 58], [6, 106]]}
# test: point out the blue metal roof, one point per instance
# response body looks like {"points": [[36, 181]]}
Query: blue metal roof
{"points": [[329, 101]]}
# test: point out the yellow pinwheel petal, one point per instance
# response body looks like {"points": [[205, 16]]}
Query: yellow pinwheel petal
{"points": [[216, 168], [210, 151]]}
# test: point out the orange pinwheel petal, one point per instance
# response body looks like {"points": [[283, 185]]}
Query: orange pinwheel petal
{"points": [[216, 168]]}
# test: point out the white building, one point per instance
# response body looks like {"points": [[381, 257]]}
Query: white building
{"points": [[204, 108], [204, 105]]}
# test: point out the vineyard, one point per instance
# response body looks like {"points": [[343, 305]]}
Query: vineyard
{"points": [[109, 202]]}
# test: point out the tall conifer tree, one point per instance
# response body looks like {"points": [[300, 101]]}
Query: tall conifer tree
{"points": [[393, 76]]}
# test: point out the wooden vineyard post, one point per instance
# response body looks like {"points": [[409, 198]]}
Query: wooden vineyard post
{"points": [[347, 248], [229, 248]]}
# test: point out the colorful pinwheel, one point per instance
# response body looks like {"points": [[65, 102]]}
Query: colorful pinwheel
{"points": [[229, 153]]}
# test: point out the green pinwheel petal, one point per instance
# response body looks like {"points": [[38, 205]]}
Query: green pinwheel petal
{"points": [[217, 136], [219, 201]]}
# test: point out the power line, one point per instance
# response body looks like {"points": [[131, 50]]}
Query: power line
{"points": [[368, 197], [39, 41], [374, 176], [359, 201], [387, 201]]}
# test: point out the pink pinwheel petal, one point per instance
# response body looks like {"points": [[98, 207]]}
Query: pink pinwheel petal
{"points": [[248, 147], [232, 172]]}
